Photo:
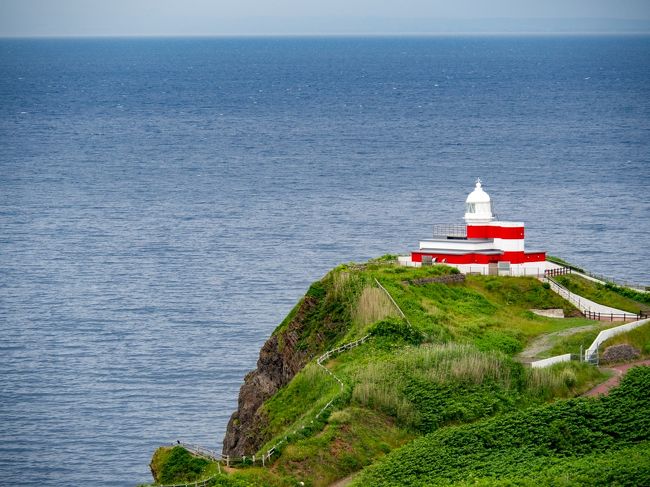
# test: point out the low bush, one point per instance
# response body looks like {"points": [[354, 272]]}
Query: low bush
{"points": [[637, 296], [396, 330], [180, 466]]}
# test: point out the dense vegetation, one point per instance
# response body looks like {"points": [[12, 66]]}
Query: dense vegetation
{"points": [[599, 441], [177, 465], [450, 362]]}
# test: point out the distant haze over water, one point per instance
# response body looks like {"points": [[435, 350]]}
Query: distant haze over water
{"points": [[164, 203]]}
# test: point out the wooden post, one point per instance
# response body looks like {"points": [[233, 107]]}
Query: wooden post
{"points": [[227, 460]]}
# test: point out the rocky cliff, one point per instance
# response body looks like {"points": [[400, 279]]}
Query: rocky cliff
{"points": [[312, 325]]}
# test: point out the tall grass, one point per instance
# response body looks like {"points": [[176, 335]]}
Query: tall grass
{"points": [[373, 390], [340, 281], [392, 387], [560, 380], [373, 305], [454, 362]]}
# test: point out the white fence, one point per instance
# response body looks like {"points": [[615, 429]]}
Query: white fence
{"points": [[550, 361], [609, 333], [263, 459], [590, 309]]}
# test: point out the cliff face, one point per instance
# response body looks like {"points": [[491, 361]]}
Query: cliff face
{"points": [[317, 321], [279, 361]]}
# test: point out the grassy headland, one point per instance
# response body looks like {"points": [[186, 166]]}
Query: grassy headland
{"points": [[450, 363]]}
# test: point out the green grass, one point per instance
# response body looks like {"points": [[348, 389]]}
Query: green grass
{"points": [[296, 404], [462, 373], [633, 294], [453, 366], [494, 311], [600, 293], [352, 439], [177, 465], [575, 342], [600, 440]]}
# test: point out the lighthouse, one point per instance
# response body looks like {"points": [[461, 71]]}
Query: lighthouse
{"points": [[482, 245]]}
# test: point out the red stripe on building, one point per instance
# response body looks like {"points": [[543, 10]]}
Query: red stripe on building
{"points": [[490, 231], [472, 258]]}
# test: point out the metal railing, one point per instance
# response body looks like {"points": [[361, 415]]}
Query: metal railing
{"points": [[446, 230], [557, 272], [595, 315], [583, 305], [196, 483]]}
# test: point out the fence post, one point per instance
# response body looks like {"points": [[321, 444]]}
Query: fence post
{"points": [[227, 460]]}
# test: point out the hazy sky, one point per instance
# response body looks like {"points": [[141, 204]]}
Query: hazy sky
{"points": [[214, 17]]}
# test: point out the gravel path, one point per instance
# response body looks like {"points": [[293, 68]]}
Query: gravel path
{"points": [[544, 342]]}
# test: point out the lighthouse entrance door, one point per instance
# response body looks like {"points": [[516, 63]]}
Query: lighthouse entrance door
{"points": [[493, 269]]}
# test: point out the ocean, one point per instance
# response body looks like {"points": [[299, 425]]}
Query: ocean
{"points": [[165, 202]]}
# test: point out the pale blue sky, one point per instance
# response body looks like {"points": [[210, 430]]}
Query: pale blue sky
{"points": [[217, 17]]}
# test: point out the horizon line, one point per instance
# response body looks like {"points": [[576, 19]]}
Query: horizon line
{"points": [[334, 34]]}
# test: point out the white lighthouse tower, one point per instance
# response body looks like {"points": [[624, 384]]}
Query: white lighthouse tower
{"points": [[478, 207], [483, 245]]}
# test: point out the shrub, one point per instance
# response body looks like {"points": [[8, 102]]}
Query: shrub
{"points": [[181, 466], [397, 330]]}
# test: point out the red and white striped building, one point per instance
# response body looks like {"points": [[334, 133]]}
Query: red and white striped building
{"points": [[483, 244]]}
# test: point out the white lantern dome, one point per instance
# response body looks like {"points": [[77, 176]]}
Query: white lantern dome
{"points": [[478, 207]]}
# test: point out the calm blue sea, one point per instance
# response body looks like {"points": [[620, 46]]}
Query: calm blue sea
{"points": [[165, 202]]}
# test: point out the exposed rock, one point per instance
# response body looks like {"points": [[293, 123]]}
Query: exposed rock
{"points": [[619, 353], [283, 355]]}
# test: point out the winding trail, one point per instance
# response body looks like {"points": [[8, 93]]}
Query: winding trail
{"points": [[544, 342], [619, 371]]}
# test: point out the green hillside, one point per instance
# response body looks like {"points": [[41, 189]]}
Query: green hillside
{"points": [[451, 364]]}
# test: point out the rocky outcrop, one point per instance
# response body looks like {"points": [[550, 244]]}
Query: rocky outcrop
{"points": [[619, 353], [283, 355]]}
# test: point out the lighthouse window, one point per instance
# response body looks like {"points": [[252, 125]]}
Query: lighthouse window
{"points": [[471, 208]]}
